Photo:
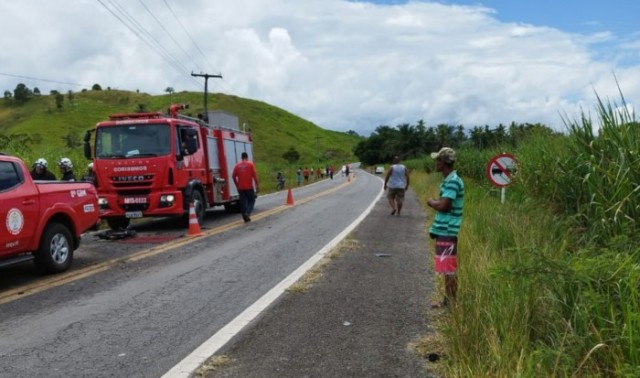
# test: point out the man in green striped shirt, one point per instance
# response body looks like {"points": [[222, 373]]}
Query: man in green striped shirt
{"points": [[448, 219]]}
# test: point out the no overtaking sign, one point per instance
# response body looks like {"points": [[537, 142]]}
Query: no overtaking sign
{"points": [[501, 169]]}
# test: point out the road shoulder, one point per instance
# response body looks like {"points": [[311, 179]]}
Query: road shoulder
{"points": [[361, 316]]}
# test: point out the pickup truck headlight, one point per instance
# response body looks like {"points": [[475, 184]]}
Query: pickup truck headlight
{"points": [[103, 203]]}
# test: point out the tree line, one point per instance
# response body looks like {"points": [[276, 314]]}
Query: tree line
{"points": [[413, 141], [21, 94]]}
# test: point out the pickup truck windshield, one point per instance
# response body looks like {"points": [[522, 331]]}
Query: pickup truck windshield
{"points": [[126, 141]]}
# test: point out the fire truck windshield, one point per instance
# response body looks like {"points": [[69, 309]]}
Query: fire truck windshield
{"points": [[113, 142]]}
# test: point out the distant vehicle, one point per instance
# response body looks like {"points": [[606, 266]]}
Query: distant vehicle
{"points": [[43, 220], [379, 170]]}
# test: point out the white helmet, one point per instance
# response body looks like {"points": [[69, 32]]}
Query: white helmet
{"points": [[65, 163], [90, 166], [42, 163]]}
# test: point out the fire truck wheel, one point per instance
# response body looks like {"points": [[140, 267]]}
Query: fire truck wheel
{"points": [[198, 204], [56, 249], [118, 224], [198, 207]]}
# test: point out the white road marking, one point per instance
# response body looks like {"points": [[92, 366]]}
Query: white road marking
{"points": [[192, 362]]}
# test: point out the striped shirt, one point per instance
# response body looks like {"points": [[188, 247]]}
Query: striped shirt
{"points": [[448, 224]]}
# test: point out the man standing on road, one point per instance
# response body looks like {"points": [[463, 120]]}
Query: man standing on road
{"points": [[244, 176], [397, 180], [446, 224]]}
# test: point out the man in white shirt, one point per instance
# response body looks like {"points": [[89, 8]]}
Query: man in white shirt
{"points": [[397, 180]]}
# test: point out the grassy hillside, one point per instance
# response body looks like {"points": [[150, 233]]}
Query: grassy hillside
{"points": [[59, 132]]}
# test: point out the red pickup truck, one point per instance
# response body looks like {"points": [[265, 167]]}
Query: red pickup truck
{"points": [[42, 220]]}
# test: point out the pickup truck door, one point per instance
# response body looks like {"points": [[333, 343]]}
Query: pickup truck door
{"points": [[19, 210]]}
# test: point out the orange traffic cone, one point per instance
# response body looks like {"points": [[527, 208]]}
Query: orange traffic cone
{"points": [[290, 198], [194, 226]]}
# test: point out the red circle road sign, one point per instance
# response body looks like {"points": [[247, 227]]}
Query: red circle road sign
{"points": [[501, 169]]}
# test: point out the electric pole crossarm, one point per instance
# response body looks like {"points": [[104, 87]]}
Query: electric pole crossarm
{"points": [[206, 87]]}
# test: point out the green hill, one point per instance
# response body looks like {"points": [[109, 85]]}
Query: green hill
{"points": [[39, 128]]}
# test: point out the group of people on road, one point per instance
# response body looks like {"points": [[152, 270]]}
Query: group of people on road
{"points": [[448, 219], [311, 174]]}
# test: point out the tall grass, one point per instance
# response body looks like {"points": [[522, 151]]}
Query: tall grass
{"points": [[593, 174], [608, 165], [550, 280], [531, 303]]}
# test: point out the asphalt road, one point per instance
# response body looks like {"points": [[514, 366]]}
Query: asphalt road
{"points": [[358, 320], [149, 306]]}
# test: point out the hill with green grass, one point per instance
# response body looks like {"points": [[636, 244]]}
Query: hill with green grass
{"points": [[40, 127]]}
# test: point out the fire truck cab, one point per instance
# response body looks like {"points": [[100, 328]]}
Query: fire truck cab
{"points": [[155, 165]]}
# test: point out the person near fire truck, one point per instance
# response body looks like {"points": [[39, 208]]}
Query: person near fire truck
{"points": [[66, 168], [244, 176], [40, 171]]}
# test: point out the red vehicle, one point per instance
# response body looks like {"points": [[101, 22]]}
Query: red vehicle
{"points": [[43, 220], [154, 164]]}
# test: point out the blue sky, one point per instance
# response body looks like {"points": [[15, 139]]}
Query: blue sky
{"points": [[576, 16], [616, 17], [342, 64]]}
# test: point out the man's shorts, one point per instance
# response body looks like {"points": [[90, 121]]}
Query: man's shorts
{"points": [[396, 193], [446, 254]]}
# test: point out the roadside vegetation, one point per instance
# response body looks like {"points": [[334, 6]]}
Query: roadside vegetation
{"points": [[549, 280]]}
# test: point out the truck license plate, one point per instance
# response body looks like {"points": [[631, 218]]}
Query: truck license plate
{"points": [[135, 200], [133, 214]]}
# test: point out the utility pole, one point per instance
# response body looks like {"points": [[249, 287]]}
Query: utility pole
{"points": [[206, 81]]}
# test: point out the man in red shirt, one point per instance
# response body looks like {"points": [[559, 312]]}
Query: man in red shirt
{"points": [[244, 176]]}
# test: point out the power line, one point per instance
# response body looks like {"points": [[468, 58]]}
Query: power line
{"points": [[224, 83], [169, 34], [139, 31], [45, 80], [187, 33], [149, 40]]}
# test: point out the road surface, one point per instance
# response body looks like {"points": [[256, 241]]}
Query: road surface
{"points": [[137, 309]]}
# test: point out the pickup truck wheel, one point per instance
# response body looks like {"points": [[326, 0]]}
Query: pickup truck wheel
{"points": [[118, 223], [56, 249]]}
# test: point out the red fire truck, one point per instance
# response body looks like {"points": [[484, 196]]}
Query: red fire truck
{"points": [[155, 164]]}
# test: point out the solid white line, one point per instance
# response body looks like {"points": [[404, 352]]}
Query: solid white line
{"points": [[193, 361]]}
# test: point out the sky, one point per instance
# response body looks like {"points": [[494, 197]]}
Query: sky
{"points": [[341, 64]]}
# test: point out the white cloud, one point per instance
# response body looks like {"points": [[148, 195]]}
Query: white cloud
{"points": [[339, 64]]}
